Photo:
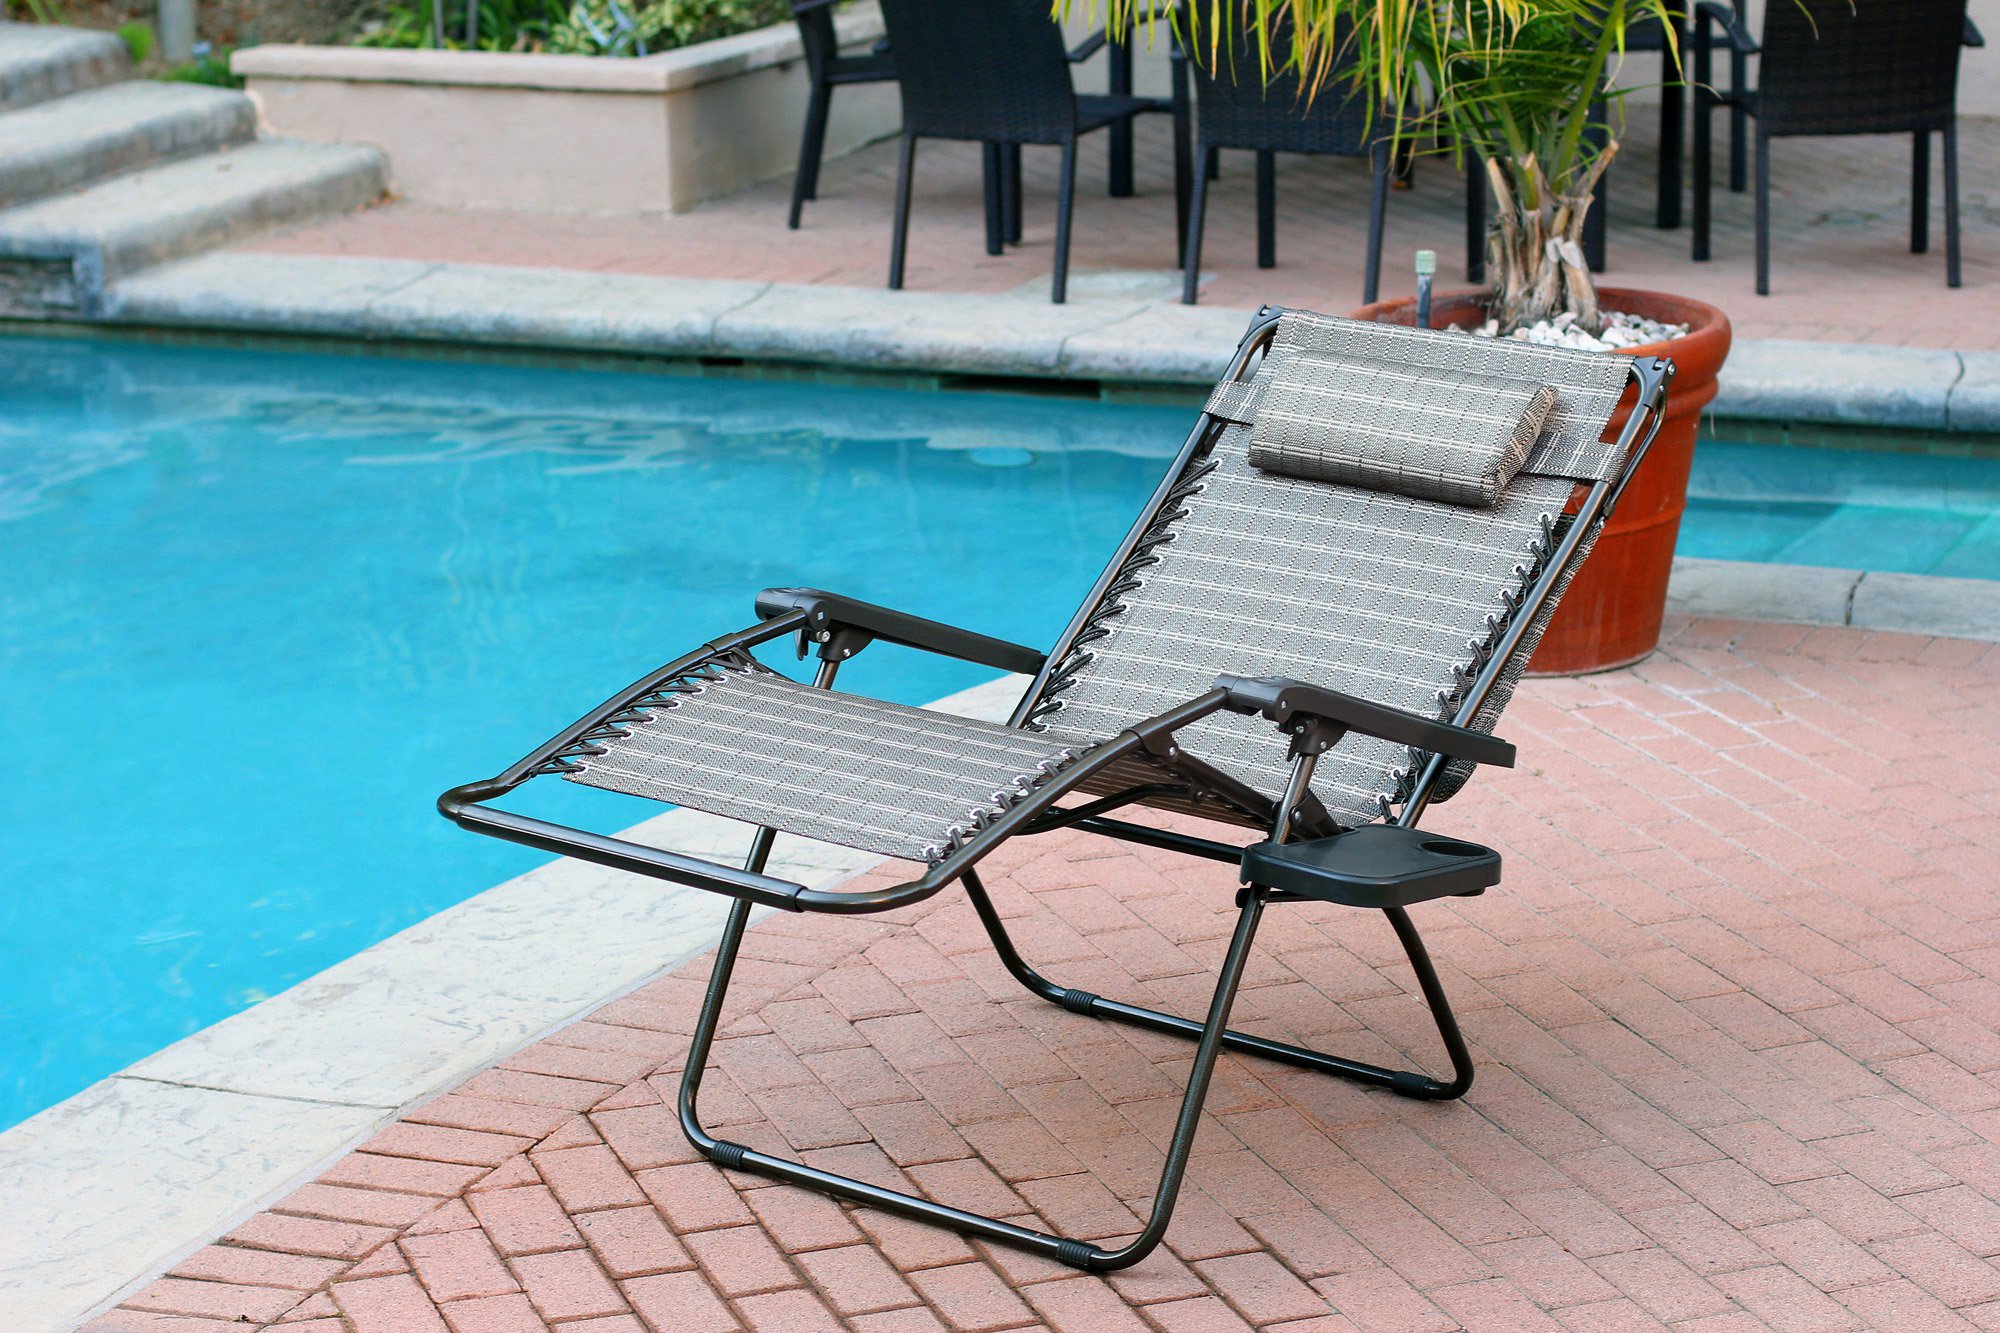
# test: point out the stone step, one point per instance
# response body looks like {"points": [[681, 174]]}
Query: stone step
{"points": [[71, 141], [57, 255], [39, 62]]}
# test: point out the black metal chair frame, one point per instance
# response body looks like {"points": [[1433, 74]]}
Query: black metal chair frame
{"points": [[1712, 17], [1266, 120], [926, 117], [827, 69], [1316, 719]]}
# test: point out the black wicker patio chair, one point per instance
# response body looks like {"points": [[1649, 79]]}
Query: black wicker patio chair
{"points": [[1826, 67], [1306, 637], [1238, 107], [996, 72], [827, 69]]}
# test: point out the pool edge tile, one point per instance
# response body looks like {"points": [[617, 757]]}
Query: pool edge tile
{"points": [[114, 1185]]}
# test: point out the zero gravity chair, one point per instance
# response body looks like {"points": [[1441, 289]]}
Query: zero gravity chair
{"points": [[1308, 634]]}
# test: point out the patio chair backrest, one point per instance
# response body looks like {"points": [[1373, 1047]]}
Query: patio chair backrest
{"points": [[982, 69], [1382, 595], [1239, 106], [1873, 67]]}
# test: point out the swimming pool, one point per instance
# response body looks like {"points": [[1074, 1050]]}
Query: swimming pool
{"points": [[257, 608]]}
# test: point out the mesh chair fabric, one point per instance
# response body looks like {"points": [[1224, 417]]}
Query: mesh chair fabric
{"points": [[749, 744], [1390, 429], [1387, 597]]}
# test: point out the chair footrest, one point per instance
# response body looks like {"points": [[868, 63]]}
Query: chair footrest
{"points": [[1378, 865]]}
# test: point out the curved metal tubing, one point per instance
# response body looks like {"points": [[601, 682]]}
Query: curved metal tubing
{"points": [[1063, 1249], [1407, 1083]]}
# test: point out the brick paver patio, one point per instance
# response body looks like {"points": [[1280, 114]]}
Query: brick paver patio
{"points": [[1734, 1011], [1841, 268]]}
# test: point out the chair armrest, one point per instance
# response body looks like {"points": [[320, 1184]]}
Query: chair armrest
{"points": [[827, 613], [1087, 48], [1738, 36], [1281, 700], [1973, 37]]}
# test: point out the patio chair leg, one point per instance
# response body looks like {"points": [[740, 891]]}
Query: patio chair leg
{"points": [[1119, 168], [1010, 173], [906, 166], [805, 182], [1065, 206], [1197, 223], [1763, 213], [1703, 148], [1183, 154], [1076, 1253], [1952, 276], [1409, 1083], [1920, 192], [1475, 218], [1267, 208], [1673, 131], [992, 172], [1378, 205], [1739, 120]]}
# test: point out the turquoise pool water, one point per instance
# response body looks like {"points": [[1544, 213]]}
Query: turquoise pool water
{"points": [[258, 608], [1849, 509]]}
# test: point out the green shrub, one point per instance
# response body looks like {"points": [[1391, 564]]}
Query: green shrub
{"points": [[138, 40], [575, 27]]}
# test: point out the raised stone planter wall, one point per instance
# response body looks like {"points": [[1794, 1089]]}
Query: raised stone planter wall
{"points": [[579, 134]]}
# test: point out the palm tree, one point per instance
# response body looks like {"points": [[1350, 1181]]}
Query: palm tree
{"points": [[1515, 81]]}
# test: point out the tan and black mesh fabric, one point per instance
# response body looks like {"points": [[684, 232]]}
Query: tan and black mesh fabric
{"points": [[1456, 439], [749, 744], [1386, 596]]}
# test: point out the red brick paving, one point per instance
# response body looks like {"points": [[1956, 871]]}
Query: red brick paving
{"points": [[1841, 266], [1734, 1010]]}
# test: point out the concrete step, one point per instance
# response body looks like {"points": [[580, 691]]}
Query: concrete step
{"points": [[71, 141], [39, 62], [57, 255]]}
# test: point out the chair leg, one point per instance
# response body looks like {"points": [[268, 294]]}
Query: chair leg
{"points": [[899, 239], [1704, 166], [1597, 225], [1952, 275], [993, 188], [1076, 1253], [1739, 119], [805, 182], [1197, 222], [1119, 172], [1378, 206], [1267, 208], [1920, 192], [1597, 222], [1183, 154], [1010, 172], [1763, 213], [1408, 1083], [1065, 206], [1673, 128], [1475, 218]]}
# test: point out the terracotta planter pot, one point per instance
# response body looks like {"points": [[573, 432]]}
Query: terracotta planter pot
{"points": [[1611, 615]]}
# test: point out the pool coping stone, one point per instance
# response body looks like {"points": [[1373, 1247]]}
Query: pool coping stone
{"points": [[1117, 327], [109, 1189]]}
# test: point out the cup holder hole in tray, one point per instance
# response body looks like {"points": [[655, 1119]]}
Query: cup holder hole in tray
{"points": [[1446, 847]]}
